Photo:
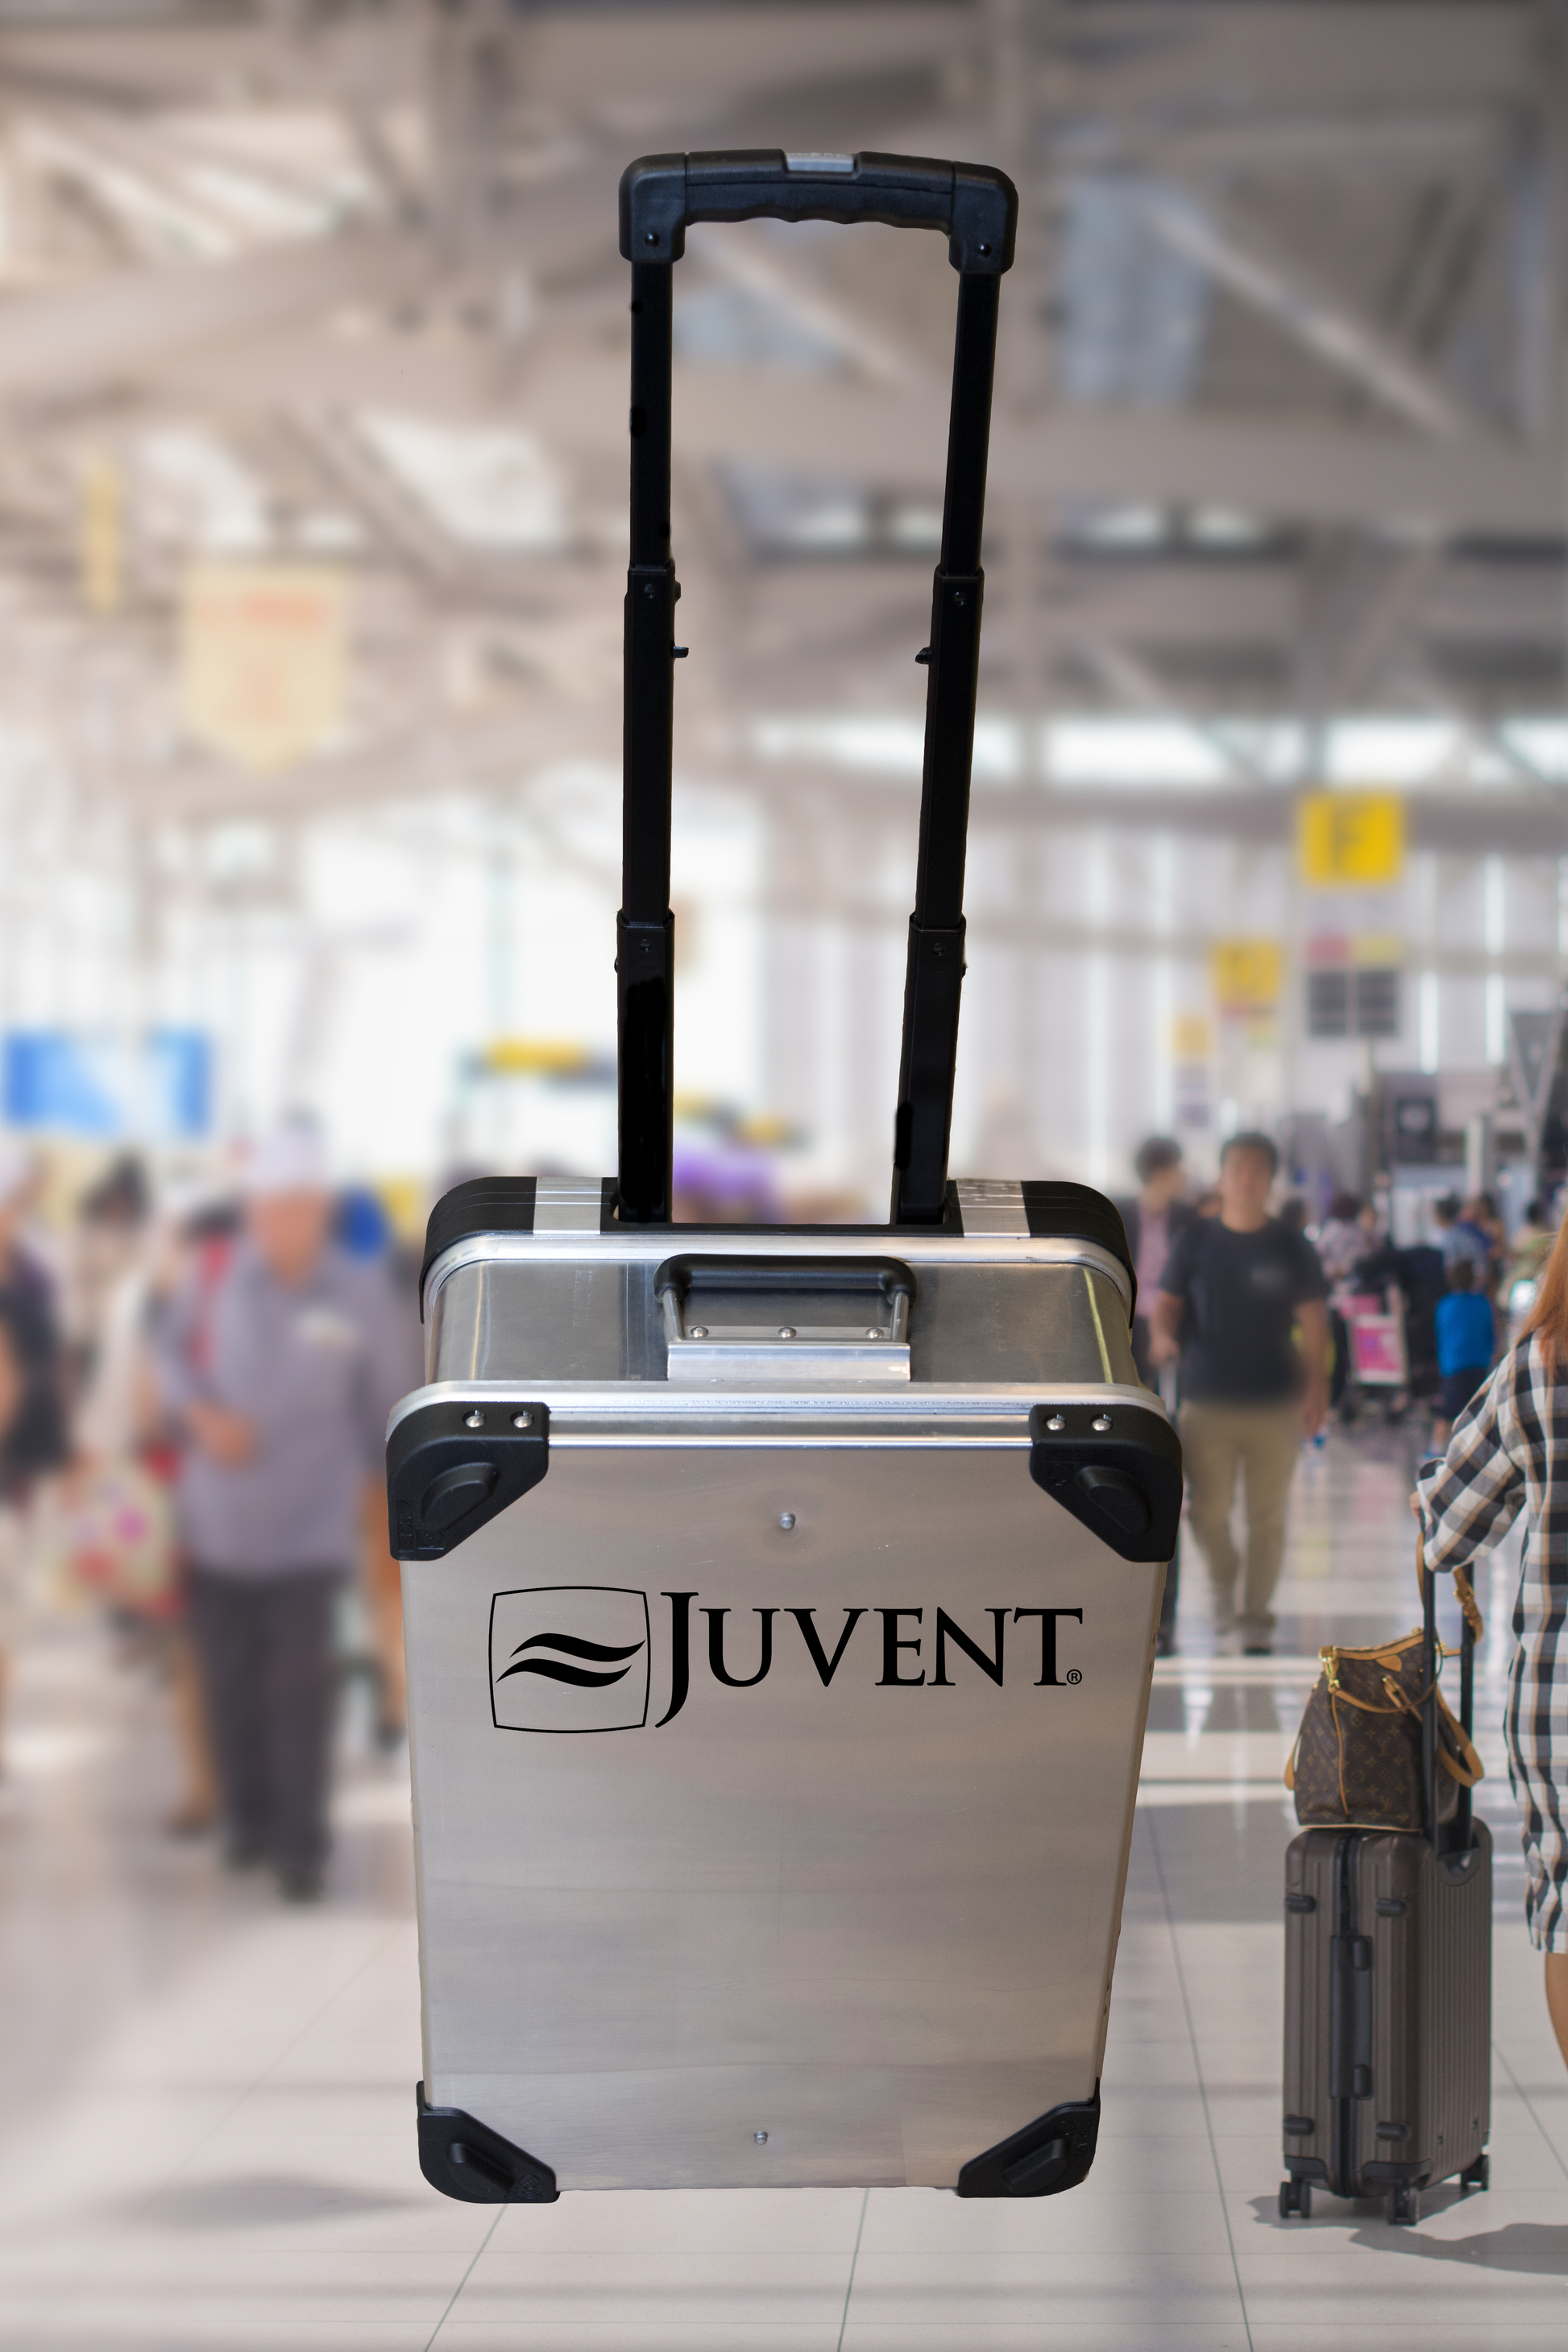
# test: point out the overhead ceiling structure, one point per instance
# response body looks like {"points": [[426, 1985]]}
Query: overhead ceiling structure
{"points": [[333, 287], [1280, 420]]}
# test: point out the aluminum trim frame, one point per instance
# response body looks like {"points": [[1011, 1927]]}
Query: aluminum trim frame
{"points": [[639, 1402], [706, 1362]]}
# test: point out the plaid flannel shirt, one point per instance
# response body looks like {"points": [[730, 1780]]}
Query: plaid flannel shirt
{"points": [[1509, 1453]]}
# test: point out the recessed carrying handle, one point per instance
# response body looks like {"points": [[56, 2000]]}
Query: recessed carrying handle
{"points": [[973, 203], [734, 1318], [883, 1278]]}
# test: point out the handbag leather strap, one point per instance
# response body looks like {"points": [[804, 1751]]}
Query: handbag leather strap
{"points": [[1464, 1591]]}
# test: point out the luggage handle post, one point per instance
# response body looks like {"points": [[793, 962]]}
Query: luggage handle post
{"points": [[976, 206], [1432, 1660], [645, 927]]}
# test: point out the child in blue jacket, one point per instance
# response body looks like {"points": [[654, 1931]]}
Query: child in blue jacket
{"points": [[1467, 1338]]}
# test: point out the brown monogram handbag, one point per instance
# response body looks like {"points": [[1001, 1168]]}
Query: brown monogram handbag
{"points": [[1356, 1763]]}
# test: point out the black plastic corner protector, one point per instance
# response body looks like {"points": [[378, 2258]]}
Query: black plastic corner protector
{"points": [[1117, 1468], [464, 2158], [491, 1204], [451, 1467], [485, 1204], [1049, 2155]]}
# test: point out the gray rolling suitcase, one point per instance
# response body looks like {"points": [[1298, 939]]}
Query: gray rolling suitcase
{"points": [[1388, 1941], [779, 1603]]}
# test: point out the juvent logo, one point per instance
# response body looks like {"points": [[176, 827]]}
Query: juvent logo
{"points": [[576, 1657], [569, 1657]]}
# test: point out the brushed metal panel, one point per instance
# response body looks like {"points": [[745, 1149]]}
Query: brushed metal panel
{"points": [[594, 1318], [876, 1923]]}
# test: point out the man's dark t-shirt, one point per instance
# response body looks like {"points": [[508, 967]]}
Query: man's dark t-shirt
{"points": [[1241, 1291]]}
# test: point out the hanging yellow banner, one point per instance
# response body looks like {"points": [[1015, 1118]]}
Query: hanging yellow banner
{"points": [[1350, 840], [1246, 974], [103, 534], [263, 662]]}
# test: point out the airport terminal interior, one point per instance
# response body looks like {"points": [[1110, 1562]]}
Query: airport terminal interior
{"points": [[313, 540]]}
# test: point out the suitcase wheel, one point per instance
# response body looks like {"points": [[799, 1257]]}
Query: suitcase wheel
{"points": [[1476, 2176], [1295, 2197], [1402, 2206]]}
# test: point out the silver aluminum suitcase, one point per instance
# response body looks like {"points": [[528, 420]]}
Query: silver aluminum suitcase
{"points": [[779, 1603]]}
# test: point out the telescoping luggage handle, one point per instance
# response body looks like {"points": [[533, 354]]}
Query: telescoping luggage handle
{"points": [[977, 209], [1432, 1663]]}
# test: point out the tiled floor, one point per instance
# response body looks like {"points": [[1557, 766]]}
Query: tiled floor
{"points": [[208, 2139]]}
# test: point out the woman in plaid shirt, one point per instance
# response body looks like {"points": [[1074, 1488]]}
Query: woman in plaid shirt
{"points": [[1509, 1453]]}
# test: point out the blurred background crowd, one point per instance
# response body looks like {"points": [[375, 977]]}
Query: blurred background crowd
{"points": [[168, 1450]]}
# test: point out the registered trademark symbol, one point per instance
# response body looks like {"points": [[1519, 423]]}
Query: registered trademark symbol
{"points": [[1074, 1675]]}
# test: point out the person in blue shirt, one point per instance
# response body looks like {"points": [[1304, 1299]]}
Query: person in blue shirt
{"points": [[1467, 1338]]}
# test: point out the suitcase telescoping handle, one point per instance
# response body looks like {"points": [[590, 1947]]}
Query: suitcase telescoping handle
{"points": [[1431, 1664], [977, 207]]}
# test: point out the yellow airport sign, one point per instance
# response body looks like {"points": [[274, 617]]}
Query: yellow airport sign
{"points": [[102, 535], [1350, 840], [264, 661], [520, 1057], [1246, 974]]}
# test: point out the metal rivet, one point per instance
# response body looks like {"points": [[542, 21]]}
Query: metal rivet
{"points": [[474, 1419], [786, 1521], [873, 1335], [522, 1421], [1057, 1421], [984, 249], [760, 2139], [786, 1330], [697, 1331], [1101, 1423], [651, 238]]}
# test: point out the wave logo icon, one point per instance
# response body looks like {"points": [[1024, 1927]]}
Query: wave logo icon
{"points": [[569, 1657]]}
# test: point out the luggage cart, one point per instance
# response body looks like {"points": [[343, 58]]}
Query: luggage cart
{"points": [[1379, 1355], [781, 1603]]}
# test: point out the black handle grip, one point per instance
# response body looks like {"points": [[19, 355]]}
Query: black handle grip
{"points": [[886, 1277], [975, 205]]}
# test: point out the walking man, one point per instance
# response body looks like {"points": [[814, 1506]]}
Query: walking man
{"points": [[1154, 1217], [279, 1371], [1234, 1293]]}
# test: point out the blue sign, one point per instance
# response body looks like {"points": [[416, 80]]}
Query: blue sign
{"points": [[158, 1091]]}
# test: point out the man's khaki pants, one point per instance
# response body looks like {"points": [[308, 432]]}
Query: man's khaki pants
{"points": [[1262, 1442]]}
